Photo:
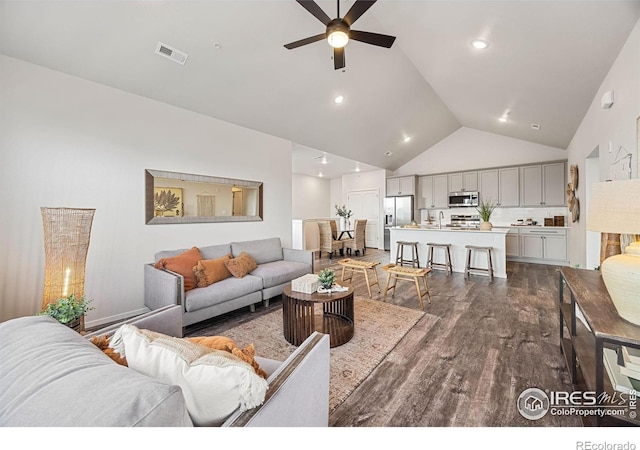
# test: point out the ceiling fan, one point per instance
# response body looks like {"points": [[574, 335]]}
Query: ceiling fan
{"points": [[339, 30]]}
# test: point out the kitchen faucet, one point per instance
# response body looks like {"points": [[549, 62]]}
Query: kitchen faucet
{"points": [[440, 217]]}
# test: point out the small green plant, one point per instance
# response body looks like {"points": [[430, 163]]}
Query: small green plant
{"points": [[67, 309], [485, 209], [326, 278], [342, 211]]}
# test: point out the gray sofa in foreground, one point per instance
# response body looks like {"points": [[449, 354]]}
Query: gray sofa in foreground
{"points": [[277, 266], [51, 376]]}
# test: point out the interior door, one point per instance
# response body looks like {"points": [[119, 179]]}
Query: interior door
{"points": [[366, 205]]}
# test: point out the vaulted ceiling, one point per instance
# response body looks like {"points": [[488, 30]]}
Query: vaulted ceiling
{"points": [[544, 64]]}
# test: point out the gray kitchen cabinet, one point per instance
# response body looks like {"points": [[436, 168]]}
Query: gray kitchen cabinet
{"points": [[543, 184], [544, 244], [554, 187], [509, 187], [500, 186], [513, 243], [433, 192], [463, 181], [401, 186]]}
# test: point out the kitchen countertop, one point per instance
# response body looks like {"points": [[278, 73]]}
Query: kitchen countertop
{"points": [[497, 230], [528, 226]]}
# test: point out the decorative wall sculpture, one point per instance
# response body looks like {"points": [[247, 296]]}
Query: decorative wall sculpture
{"points": [[572, 201]]}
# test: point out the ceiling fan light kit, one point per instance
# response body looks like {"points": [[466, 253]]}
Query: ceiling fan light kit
{"points": [[337, 34], [338, 31]]}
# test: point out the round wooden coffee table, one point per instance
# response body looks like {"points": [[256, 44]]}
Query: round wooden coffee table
{"points": [[300, 321]]}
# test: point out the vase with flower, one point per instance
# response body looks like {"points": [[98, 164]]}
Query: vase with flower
{"points": [[344, 214]]}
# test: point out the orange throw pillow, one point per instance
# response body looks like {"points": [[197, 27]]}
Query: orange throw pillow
{"points": [[102, 342], [241, 265], [227, 344], [209, 271], [183, 264]]}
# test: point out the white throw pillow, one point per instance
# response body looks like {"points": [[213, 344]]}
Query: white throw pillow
{"points": [[214, 383]]}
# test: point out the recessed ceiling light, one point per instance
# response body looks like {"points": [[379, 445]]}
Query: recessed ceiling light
{"points": [[339, 99], [504, 118], [357, 168], [535, 126], [479, 44], [406, 139], [324, 159], [320, 174]]}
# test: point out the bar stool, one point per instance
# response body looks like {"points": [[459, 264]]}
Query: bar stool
{"points": [[400, 260], [488, 269], [447, 255]]}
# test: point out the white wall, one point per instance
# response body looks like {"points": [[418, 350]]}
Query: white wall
{"points": [[336, 196], [68, 142], [311, 197], [470, 149], [601, 126]]}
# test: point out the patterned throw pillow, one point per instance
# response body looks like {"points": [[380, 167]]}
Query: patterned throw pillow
{"points": [[214, 383], [241, 265], [183, 264], [209, 271]]}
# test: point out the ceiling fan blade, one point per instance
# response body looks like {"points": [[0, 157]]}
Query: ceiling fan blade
{"points": [[338, 58], [306, 41], [381, 40], [359, 8], [314, 9]]}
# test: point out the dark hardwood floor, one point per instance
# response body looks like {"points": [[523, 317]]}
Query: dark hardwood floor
{"points": [[464, 364]]}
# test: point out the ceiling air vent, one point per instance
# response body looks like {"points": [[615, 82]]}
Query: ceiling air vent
{"points": [[171, 53]]}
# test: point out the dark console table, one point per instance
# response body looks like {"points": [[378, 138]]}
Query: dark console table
{"points": [[583, 348]]}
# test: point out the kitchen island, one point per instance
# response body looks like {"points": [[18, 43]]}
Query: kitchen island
{"points": [[458, 238]]}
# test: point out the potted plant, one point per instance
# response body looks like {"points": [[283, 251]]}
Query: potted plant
{"points": [[485, 208], [326, 278], [68, 310], [344, 214]]}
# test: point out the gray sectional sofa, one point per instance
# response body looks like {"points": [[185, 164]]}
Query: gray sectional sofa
{"points": [[51, 376], [277, 266]]}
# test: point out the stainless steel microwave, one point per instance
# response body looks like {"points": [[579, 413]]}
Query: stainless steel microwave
{"points": [[461, 199]]}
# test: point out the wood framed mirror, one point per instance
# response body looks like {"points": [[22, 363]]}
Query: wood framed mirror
{"points": [[173, 197]]}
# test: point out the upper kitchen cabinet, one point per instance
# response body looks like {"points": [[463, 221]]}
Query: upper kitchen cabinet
{"points": [[433, 192], [500, 186], [543, 184], [401, 186], [463, 181]]}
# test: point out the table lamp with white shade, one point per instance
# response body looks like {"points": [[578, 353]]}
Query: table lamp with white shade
{"points": [[615, 208]]}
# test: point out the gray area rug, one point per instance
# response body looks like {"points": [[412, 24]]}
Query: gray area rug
{"points": [[379, 327]]}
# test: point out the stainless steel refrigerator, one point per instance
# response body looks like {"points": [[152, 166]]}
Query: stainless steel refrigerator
{"points": [[397, 211]]}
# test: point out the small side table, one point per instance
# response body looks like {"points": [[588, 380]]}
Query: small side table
{"points": [[299, 320], [396, 273], [354, 265]]}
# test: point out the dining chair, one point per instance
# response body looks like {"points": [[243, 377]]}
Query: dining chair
{"points": [[334, 229], [357, 244], [327, 242]]}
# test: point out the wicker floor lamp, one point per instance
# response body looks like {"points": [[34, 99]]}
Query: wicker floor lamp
{"points": [[66, 242]]}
